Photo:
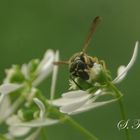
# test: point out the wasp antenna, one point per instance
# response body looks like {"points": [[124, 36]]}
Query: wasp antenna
{"points": [[91, 31], [61, 63]]}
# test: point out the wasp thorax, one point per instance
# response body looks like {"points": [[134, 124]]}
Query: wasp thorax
{"points": [[80, 65]]}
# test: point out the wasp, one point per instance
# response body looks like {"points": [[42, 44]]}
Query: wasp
{"points": [[80, 63]]}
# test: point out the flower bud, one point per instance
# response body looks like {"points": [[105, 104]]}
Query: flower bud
{"points": [[14, 75]]}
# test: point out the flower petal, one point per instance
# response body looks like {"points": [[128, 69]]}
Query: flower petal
{"points": [[54, 76], [8, 88], [88, 106], [45, 67], [124, 71], [13, 107], [34, 135], [38, 123], [71, 97], [98, 92], [18, 131], [12, 119], [1, 97], [74, 105], [121, 69], [4, 106], [24, 70], [41, 106], [66, 101], [47, 60], [74, 94]]}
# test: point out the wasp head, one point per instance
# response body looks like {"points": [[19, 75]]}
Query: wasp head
{"points": [[80, 65]]}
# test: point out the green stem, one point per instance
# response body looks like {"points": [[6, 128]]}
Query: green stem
{"points": [[80, 128], [44, 136], [124, 118], [122, 110], [69, 120]]}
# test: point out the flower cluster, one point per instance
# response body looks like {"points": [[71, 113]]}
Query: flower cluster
{"points": [[21, 103], [23, 106]]}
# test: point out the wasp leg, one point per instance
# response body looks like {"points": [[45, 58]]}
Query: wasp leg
{"points": [[102, 62], [95, 60], [76, 83]]}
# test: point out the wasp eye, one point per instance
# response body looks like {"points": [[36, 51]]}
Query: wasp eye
{"points": [[81, 64]]}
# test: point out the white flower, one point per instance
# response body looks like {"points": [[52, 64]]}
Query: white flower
{"points": [[41, 107], [54, 76], [16, 131], [123, 70], [8, 88], [78, 101], [4, 106], [43, 70], [17, 128], [45, 67], [15, 123], [38, 123]]}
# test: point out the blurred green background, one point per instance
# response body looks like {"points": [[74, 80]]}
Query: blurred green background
{"points": [[29, 27]]}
